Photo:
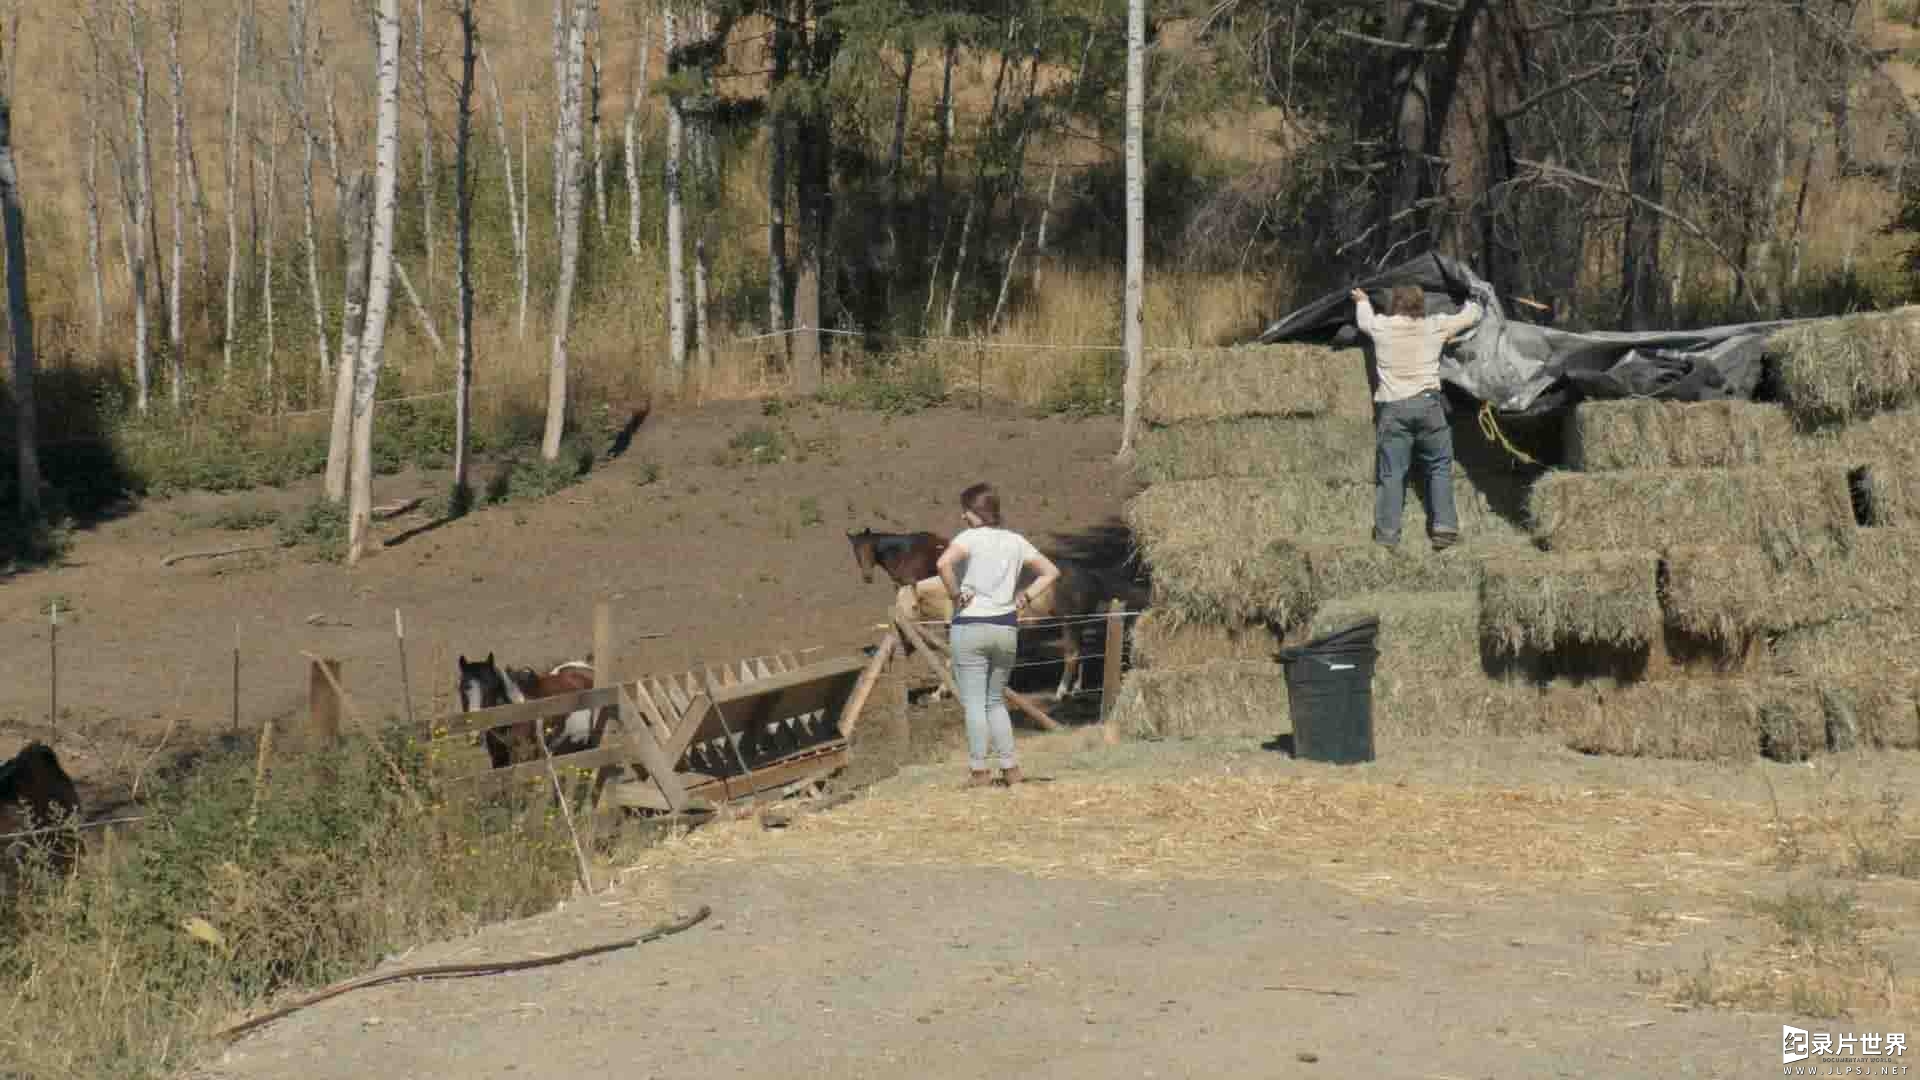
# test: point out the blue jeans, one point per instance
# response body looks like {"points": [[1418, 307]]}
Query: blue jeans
{"points": [[1413, 433], [982, 659]]}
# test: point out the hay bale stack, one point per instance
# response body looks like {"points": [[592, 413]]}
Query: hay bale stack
{"points": [[1801, 505], [1703, 720], [1730, 594], [1162, 639], [1838, 370], [1342, 568], [1201, 582], [1605, 436], [1867, 670], [1331, 448], [1260, 380], [1889, 436], [1547, 602], [1243, 512], [1225, 697]]}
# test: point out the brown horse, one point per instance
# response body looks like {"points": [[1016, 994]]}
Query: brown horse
{"points": [[907, 558], [481, 687], [1064, 612], [36, 797]]}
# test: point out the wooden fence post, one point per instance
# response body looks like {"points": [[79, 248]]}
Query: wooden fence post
{"points": [[1110, 674], [323, 703]]}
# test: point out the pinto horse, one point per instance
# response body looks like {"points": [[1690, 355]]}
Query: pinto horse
{"points": [[37, 794], [1076, 595], [481, 687], [906, 557]]}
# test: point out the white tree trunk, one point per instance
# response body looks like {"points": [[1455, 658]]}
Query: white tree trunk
{"points": [[516, 216], [599, 156], [560, 84], [462, 258], [303, 117], [233, 204], [419, 309], [703, 353], [633, 142], [19, 319], [176, 332], [676, 225], [988, 142], [333, 131], [572, 159], [526, 216], [139, 205], [379, 280], [90, 183], [356, 220], [1053, 176], [426, 143], [266, 255], [777, 183], [1133, 326]]}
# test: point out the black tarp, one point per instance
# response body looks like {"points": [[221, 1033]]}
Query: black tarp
{"points": [[1524, 369]]}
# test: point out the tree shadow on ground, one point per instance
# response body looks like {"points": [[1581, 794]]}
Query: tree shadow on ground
{"points": [[85, 479]]}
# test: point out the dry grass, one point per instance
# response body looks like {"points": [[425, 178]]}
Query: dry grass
{"points": [[1161, 639], [1544, 602], [1256, 380], [1321, 447], [1223, 697], [1636, 434], [1837, 370], [1362, 834], [1346, 568], [1235, 512], [1803, 505], [1717, 719], [1892, 493], [1731, 593]]}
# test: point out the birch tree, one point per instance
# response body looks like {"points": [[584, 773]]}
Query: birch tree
{"points": [[139, 202], [1133, 326], [90, 187], [233, 201], [571, 180], [633, 141], [379, 279], [177, 94], [516, 209], [356, 217], [593, 105], [676, 217], [19, 317], [777, 170], [462, 261], [426, 141], [303, 119]]}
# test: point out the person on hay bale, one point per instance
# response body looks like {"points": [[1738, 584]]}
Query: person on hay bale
{"points": [[1410, 410]]}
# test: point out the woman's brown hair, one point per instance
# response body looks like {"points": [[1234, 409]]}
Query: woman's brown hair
{"points": [[1408, 300], [984, 502]]}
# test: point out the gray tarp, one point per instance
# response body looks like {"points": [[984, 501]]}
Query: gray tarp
{"points": [[1526, 369]]}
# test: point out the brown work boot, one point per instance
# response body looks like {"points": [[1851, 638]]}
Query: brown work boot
{"points": [[1011, 776], [979, 778]]}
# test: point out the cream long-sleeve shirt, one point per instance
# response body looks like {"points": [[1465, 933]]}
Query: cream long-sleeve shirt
{"points": [[1407, 350]]}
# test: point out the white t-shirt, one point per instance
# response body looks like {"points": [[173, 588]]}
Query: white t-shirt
{"points": [[991, 569]]}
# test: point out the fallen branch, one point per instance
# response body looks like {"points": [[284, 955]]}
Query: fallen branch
{"points": [[1311, 990], [445, 971], [185, 555], [381, 513]]}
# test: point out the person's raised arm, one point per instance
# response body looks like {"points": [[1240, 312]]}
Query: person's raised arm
{"points": [[956, 551], [1362, 311]]}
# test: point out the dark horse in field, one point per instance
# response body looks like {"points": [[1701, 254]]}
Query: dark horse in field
{"points": [[482, 687], [908, 558], [36, 797]]}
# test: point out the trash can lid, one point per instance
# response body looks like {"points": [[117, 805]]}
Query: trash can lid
{"points": [[1358, 637]]}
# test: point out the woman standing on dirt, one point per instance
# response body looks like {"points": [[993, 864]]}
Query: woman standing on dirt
{"points": [[986, 618]]}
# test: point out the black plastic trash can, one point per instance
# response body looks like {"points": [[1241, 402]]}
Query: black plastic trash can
{"points": [[1330, 694]]}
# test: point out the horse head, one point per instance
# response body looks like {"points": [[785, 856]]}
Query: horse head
{"points": [[864, 555], [480, 685]]}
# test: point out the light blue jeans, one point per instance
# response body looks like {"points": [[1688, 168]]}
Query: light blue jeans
{"points": [[982, 659]]}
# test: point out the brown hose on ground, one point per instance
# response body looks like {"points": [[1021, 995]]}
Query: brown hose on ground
{"points": [[444, 971]]}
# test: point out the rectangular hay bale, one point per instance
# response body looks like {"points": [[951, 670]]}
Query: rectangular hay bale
{"points": [[1546, 602], [1637, 433], [1800, 505], [1867, 671], [1225, 697], [1696, 719], [1328, 447], [1853, 366], [1730, 594], [1291, 380], [1162, 639]]}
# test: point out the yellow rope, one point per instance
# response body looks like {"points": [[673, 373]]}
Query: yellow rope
{"points": [[1491, 429]]}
